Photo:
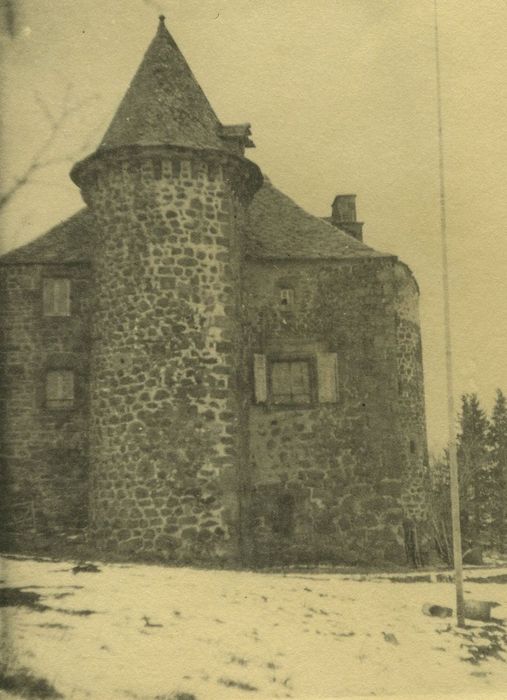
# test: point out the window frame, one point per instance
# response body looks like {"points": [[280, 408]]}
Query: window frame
{"points": [[46, 281], [310, 361], [286, 297], [63, 403]]}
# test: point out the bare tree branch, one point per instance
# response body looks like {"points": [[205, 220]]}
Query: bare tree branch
{"points": [[44, 156]]}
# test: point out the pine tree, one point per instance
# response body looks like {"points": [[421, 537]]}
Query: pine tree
{"points": [[497, 439], [474, 473]]}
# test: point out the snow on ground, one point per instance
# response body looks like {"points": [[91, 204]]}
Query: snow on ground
{"points": [[217, 635]]}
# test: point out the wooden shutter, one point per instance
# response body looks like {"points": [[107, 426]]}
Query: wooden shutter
{"points": [[260, 379], [327, 373]]}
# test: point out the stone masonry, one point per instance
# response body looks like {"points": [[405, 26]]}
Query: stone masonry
{"points": [[350, 466], [195, 286], [44, 453], [164, 392]]}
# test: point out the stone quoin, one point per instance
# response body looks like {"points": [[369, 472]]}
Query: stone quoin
{"points": [[195, 369]]}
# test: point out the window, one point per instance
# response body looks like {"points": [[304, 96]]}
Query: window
{"points": [[56, 296], [286, 296], [296, 381], [290, 382], [60, 388]]}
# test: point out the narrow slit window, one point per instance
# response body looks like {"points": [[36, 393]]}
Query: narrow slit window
{"points": [[56, 296], [60, 388], [286, 296]]}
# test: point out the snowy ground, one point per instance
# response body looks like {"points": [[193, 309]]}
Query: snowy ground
{"points": [[152, 632]]}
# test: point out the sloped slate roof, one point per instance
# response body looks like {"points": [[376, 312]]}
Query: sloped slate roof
{"points": [[164, 103], [68, 242], [279, 228]]}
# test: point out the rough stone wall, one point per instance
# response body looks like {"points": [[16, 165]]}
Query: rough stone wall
{"points": [[44, 451], [166, 356], [411, 414], [344, 464]]}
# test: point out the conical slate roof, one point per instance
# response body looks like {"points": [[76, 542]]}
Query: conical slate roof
{"points": [[164, 103]]}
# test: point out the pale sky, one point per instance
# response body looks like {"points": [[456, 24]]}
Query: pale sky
{"points": [[341, 97]]}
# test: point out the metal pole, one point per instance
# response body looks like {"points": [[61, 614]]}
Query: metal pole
{"points": [[453, 457]]}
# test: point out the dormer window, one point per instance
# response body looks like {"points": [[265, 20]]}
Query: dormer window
{"points": [[286, 296], [56, 296]]}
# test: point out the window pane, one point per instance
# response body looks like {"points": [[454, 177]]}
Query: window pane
{"points": [[62, 297], [290, 382], [53, 386], [286, 297], [67, 385], [60, 387], [56, 296], [280, 380], [300, 380]]}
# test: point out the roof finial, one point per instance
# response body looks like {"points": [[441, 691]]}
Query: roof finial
{"points": [[162, 19]]}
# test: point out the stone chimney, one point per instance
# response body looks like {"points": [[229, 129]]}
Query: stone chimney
{"points": [[343, 215]]}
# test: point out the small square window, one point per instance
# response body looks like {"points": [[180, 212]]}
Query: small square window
{"points": [[56, 296], [286, 297], [60, 388], [290, 382]]}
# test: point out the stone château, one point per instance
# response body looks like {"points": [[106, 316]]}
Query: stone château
{"points": [[195, 369]]}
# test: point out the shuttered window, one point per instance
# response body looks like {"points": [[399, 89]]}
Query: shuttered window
{"points": [[296, 382], [60, 388], [56, 296]]}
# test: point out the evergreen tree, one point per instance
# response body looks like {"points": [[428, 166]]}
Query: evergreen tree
{"points": [[497, 439], [474, 473]]}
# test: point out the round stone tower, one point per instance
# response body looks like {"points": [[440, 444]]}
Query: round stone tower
{"points": [[410, 419], [169, 188]]}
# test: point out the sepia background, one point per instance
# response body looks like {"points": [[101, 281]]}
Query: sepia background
{"points": [[341, 97]]}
